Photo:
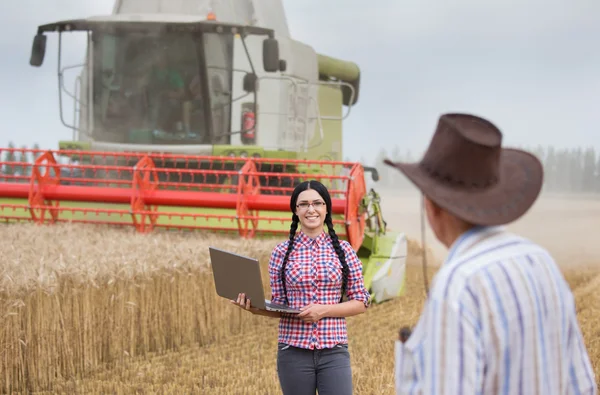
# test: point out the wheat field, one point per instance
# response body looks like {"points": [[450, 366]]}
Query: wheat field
{"points": [[91, 310]]}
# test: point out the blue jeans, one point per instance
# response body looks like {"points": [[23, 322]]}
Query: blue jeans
{"points": [[304, 372]]}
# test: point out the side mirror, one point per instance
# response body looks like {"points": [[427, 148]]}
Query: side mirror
{"points": [[249, 83], [270, 55], [282, 65], [38, 50], [373, 171]]}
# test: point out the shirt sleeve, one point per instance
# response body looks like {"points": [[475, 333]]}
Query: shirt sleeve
{"points": [[406, 380], [445, 355], [581, 374], [275, 263], [356, 285]]}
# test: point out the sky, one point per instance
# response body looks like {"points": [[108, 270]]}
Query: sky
{"points": [[532, 67]]}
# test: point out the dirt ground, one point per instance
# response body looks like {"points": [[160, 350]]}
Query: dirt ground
{"points": [[565, 225]]}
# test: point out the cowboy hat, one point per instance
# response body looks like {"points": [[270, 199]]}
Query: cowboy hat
{"points": [[467, 172]]}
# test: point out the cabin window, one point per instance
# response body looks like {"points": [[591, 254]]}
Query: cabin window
{"points": [[157, 89]]}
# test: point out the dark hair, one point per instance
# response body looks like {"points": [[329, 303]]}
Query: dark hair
{"points": [[321, 190]]}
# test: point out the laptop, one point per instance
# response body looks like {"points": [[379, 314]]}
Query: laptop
{"points": [[235, 274]]}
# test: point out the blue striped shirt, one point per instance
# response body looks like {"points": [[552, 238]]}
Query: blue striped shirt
{"points": [[500, 319]]}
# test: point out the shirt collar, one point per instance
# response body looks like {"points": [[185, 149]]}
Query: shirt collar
{"points": [[302, 238], [469, 239]]}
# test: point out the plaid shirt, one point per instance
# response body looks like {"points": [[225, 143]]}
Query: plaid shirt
{"points": [[313, 274]]}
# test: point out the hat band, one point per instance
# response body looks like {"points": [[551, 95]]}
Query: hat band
{"points": [[453, 181]]}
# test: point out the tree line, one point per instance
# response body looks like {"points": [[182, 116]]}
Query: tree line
{"points": [[566, 170], [18, 156]]}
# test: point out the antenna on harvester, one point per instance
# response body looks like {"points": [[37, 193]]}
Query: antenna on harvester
{"points": [[424, 253], [405, 331]]}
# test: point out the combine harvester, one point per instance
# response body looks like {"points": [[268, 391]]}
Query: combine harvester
{"points": [[199, 115]]}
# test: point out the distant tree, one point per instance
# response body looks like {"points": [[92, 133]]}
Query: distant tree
{"points": [[550, 180], [562, 171], [598, 175], [363, 161], [9, 156], [589, 170], [23, 155], [20, 157], [539, 153], [24, 158], [395, 178], [382, 167], [576, 168], [36, 155]]}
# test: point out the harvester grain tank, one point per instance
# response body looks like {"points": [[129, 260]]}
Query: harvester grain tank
{"points": [[202, 114]]}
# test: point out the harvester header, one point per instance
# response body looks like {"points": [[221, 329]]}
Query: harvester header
{"points": [[245, 196], [174, 191]]}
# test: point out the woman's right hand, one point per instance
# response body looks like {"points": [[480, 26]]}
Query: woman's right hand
{"points": [[244, 303]]}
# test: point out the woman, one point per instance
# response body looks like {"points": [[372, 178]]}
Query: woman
{"points": [[313, 271]]}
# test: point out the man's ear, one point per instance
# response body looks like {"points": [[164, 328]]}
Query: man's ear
{"points": [[431, 207]]}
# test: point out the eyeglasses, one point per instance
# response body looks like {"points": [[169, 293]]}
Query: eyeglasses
{"points": [[304, 205]]}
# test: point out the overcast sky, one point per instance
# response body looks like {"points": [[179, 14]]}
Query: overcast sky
{"points": [[533, 67]]}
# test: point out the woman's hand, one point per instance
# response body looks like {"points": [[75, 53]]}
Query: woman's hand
{"points": [[244, 303], [313, 312]]}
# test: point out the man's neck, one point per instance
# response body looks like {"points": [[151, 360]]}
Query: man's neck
{"points": [[454, 230]]}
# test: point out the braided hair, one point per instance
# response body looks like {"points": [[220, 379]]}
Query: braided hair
{"points": [[293, 228], [340, 253], [324, 193]]}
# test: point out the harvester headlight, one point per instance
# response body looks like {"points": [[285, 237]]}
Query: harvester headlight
{"points": [[231, 155], [256, 155], [243, 154]]}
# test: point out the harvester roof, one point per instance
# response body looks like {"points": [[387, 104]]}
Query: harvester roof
{"points": [[152, 22]]}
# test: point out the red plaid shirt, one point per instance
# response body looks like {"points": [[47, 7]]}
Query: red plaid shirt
{"points": [[313, 274]]}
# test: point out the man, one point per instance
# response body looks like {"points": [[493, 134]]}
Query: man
{"points": [[500, 318], [169, 79], [168, 89]]}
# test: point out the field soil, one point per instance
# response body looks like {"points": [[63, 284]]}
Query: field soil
{"points": [[241, 360], [564, 224]]}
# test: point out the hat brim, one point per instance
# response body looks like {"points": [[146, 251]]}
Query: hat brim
{"points": [[519, 185]]}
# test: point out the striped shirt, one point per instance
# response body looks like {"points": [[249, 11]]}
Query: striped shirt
{"points": [[313, 274], [501, 307]]}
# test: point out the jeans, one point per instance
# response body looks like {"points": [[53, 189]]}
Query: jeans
{"points": [[303, 372]]}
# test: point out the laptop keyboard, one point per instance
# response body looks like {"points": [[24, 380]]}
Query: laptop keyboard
{"points": [[277, 305]]}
